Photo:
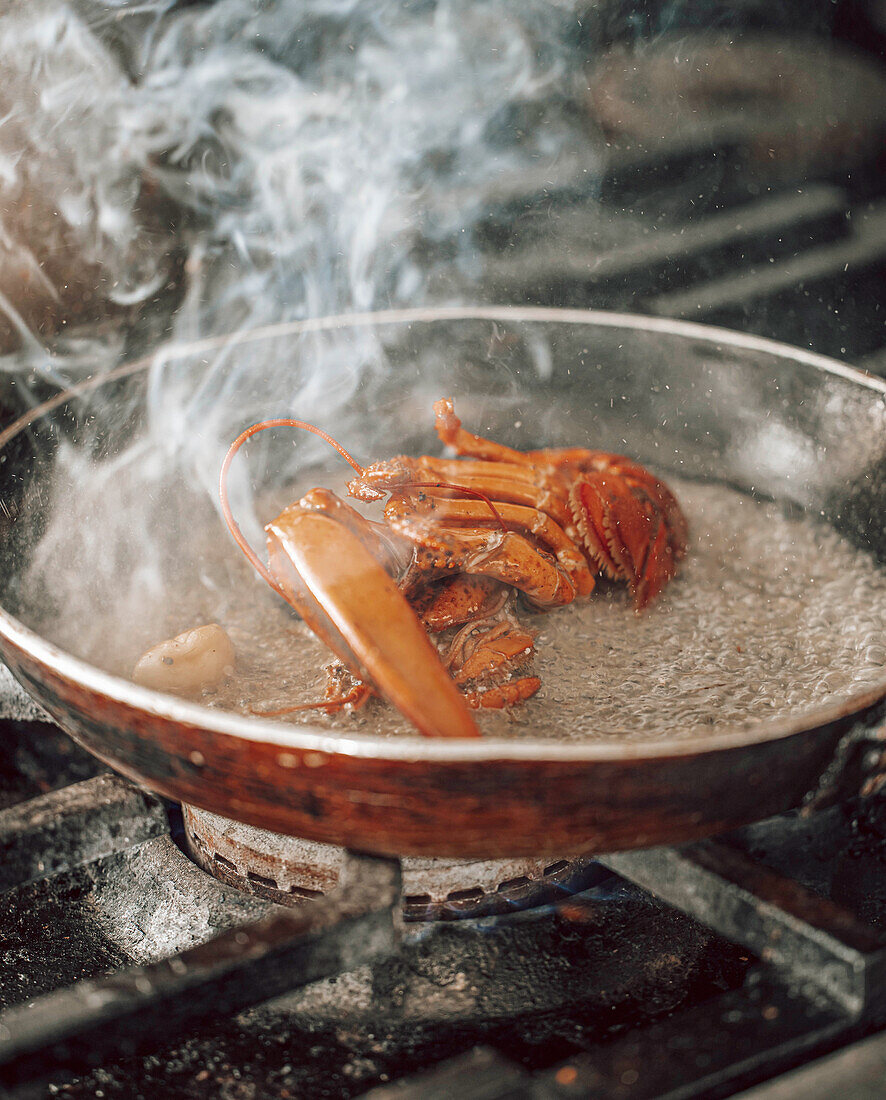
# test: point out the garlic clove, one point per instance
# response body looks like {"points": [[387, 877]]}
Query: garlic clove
{"points": [[191, 662]]}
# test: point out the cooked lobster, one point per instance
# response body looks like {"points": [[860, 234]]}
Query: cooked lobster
{"points": [[461, 536]]}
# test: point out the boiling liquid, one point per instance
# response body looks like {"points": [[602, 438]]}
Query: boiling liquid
{"points": [[769, 617]]}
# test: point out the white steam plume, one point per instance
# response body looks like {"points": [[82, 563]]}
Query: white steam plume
{"points": [[321, 156]]}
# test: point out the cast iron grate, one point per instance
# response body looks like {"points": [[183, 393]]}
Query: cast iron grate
{"points": [[818, 982]]}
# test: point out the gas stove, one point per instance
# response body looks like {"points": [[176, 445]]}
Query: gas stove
{"points": [[150, 949], [692, 971]]}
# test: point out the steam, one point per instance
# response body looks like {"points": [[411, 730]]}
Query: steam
{"points": [[307, 157], [343, 152], [75, 245]]}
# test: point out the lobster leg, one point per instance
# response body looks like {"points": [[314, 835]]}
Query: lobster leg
{"points": [[504, 695], [450, 432], [507, 557], [483, 659], [481, 652], [345, 596], [501, 481], [452, 601], [532, 523], [569, 461]]}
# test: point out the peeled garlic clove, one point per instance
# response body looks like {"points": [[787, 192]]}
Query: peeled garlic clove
{"points": [[187, 664]]}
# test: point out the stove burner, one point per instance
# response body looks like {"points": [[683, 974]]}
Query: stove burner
{"points": [[289, 871]]}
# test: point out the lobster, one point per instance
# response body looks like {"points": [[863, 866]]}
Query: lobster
{"points": [[461, 536]]}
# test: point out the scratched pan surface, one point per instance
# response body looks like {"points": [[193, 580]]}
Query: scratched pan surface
{"points": [[702, 402]]}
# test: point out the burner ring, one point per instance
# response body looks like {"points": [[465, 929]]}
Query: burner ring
{"points": [[289, 871]]}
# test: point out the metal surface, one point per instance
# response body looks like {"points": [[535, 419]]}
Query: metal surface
{"points": [[236, 969], [548, 992], [825, 946], [46, 835], [817, 984], [480, 1075], [858, 1073], [609, 956], [704, 1052], [858, 767], [500, 798], [288, 870]]}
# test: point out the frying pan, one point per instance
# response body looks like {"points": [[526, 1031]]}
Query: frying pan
{"points": [[707, 403]]}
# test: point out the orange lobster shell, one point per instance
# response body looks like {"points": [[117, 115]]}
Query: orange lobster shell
{"points": [[460, 535]]}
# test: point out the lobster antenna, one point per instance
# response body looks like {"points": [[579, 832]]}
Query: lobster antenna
{"points": [[233, 526], [289, 422]]}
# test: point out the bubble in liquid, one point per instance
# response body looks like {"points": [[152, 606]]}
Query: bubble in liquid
{"points": [[734, 639]]}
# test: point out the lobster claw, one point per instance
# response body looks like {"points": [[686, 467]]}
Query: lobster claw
{"points": [[325, 570]]}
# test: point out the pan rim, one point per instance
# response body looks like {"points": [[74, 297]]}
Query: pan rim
{"points": [[307, 738]]}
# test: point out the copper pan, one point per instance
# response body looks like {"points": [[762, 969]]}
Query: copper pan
{"points": [[706, 402]]}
